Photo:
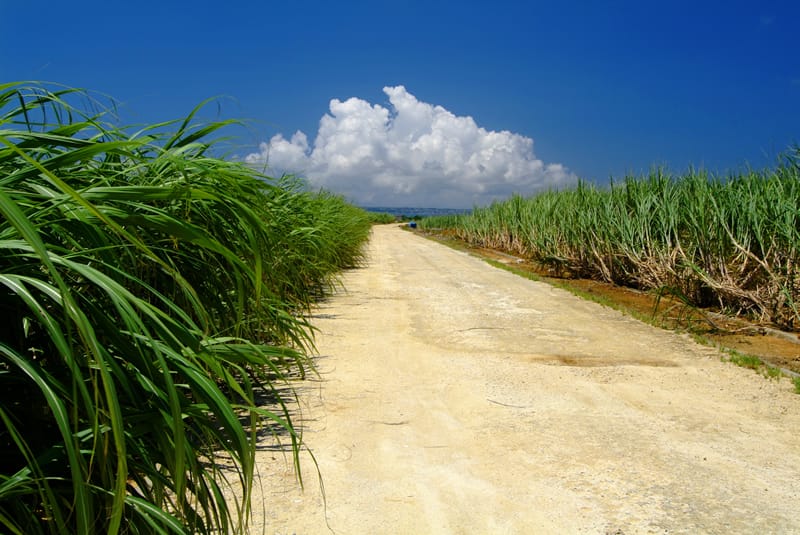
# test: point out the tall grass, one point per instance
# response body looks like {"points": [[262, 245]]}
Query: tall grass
{"points": [[148, 291], [731, 242]]}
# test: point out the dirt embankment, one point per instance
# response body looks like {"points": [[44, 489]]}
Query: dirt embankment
{"points": [[459, 398]]}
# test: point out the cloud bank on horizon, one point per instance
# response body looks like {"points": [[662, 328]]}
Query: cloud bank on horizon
{"points": [[414, 154]]}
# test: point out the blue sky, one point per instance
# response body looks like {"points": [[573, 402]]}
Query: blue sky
{"points": [[440, 103]]}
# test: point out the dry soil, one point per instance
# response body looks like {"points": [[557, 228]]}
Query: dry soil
{"points": [[454, 397]]}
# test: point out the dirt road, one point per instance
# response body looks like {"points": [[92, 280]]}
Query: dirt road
{"points": [[459, 398]]}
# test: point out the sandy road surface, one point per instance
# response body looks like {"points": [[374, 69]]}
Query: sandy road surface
{"points": [[459, 398]]}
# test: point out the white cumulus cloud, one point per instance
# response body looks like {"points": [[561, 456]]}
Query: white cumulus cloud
{"points": [[414, 154]]}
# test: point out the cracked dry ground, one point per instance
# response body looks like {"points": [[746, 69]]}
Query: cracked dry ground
{"points": [[454, 397]]}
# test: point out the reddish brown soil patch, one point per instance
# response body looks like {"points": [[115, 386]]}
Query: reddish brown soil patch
{"points": [[732, 333]]}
